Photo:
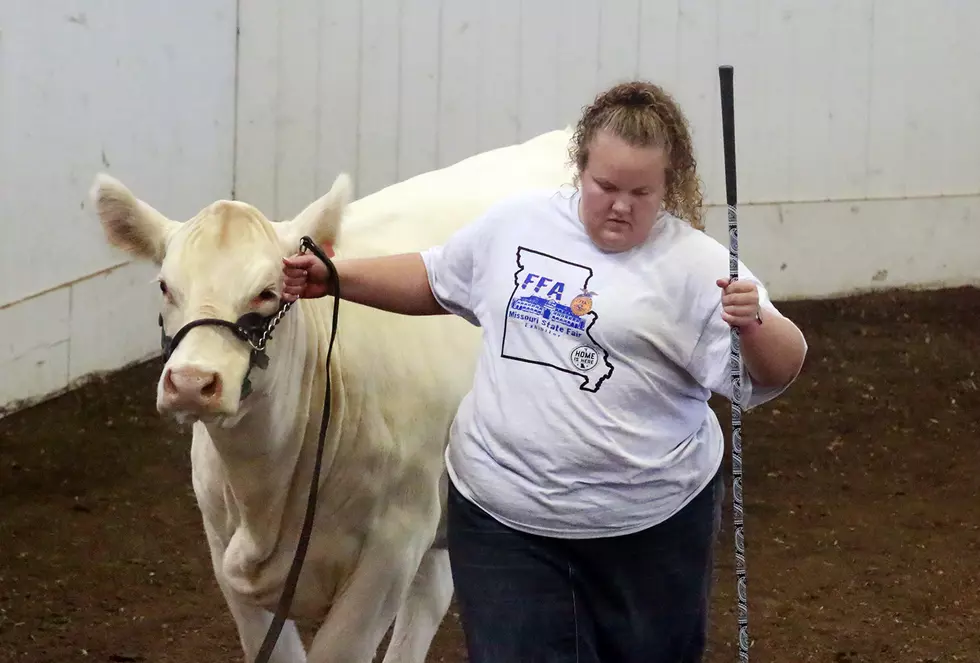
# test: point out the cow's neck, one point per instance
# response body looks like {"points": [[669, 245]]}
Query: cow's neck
{"points": [[269, 454]]}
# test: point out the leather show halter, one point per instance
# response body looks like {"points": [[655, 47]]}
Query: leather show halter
{"points": [[252, 328], [256, 330]]}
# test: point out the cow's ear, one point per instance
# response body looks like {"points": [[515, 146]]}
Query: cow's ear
{"points": [[128, 222], [321, 219]]}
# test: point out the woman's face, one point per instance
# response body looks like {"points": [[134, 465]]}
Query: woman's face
{"points": [[622, 191]]}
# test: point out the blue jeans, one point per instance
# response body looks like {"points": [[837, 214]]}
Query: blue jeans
{"points": [[637, 598]]}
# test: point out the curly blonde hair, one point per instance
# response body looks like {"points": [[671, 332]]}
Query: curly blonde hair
{"points": [[644, 115]]}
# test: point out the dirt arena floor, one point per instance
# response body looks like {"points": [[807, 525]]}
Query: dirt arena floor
{"points": [[863, 513]]}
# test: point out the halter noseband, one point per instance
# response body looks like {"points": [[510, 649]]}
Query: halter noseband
{"points": [[253, 328]]}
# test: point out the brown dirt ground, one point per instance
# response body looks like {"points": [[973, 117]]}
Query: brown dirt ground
{"points": [[863, 535]]}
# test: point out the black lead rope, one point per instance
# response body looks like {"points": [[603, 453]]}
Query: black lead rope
{"points": [[285, 600]]}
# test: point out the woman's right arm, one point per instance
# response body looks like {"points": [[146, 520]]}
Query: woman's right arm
{"points": [[397, 283]]}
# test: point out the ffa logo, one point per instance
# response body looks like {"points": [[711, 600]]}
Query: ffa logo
{"points": [[582, 304]]}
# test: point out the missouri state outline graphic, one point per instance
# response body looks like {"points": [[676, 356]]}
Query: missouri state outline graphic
{"points": [[549, 317]]}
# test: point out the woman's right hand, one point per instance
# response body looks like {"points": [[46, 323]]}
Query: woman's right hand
{"points": [[304, 277]]}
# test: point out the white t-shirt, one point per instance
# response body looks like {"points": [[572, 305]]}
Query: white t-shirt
{"points": [[588, 414]]}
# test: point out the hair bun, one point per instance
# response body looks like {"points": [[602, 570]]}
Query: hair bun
{"points": [[635, 94]]}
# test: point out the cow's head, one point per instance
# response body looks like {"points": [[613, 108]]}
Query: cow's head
{"points": [[226, 264]]}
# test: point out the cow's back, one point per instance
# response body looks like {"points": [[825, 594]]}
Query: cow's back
{"points": [[426, 209]]}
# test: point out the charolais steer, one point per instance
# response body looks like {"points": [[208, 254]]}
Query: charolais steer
{"points": [[376, 554]]}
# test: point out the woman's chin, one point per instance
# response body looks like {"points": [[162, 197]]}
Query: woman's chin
{"points": [[614, 236]]}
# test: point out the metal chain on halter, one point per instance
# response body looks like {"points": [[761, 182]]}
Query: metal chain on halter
{"points": [[267, 332], [277, 318]]}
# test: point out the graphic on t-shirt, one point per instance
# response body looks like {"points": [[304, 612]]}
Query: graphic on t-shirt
{"points": [[549, 316]]}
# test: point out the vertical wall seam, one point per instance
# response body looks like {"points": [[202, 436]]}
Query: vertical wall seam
{"points": [[236, 100]]}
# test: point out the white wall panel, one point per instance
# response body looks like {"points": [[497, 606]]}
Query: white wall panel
{"points": [[917, 243], [40, 322], [34, 347], [866, 103], [380, 95], [143, 90], [539, 85], [113, 320], [419, 66], [836, 100]]}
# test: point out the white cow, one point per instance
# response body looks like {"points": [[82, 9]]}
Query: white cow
{"points": [[375, 554]]}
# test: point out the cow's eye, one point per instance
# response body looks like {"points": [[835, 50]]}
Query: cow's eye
{"points": [[266, 296], [164, 289]]}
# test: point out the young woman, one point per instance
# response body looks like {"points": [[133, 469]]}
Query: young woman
{"points": [[585, 487]]}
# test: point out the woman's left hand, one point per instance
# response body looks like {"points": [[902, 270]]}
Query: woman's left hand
{"points": [[740, 303]]}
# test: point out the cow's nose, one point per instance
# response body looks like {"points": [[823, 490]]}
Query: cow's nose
{"points": [[191, 388]]}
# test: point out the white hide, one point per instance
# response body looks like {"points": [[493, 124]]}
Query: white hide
{"points": [[396, 383]]}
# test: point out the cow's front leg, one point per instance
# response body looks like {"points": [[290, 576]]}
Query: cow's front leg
{"points": [[359, 619], [253, 622], [424, 608]]}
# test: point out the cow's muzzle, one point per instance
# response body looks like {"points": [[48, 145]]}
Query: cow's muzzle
{"points": [[252, 328]]}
